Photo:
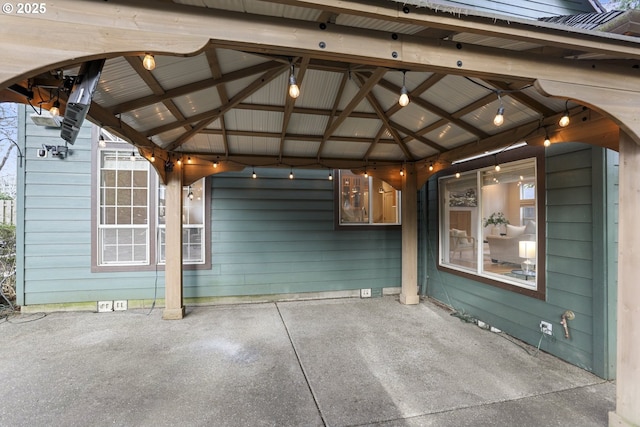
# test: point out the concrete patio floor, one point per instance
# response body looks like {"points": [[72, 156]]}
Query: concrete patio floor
{"points": [[343, 362]]}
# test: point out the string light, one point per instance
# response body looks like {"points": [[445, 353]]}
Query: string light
{"points": [[101, 142], [330, 176], [133, 156], [179, 161], [215, 164], [498, 120], [189, 159], [401, 172], [457, 174], [547, 141], [253, 174], [55, 110], [366, 174], [149, 62], [153, 157], [565, 120], [294, 90], [190, 195], [404, 93], [431, 167], [291, 174]]}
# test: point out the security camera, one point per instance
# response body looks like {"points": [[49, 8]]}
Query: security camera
{"points": [[42, 152]]}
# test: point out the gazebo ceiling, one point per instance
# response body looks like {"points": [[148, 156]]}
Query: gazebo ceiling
{"points": [[231, 104]]}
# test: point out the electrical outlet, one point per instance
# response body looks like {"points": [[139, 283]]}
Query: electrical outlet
{"points": [[546, 327], [365, 293], [105, 306], [120, 305]]}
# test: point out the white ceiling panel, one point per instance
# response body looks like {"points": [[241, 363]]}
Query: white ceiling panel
{"points": [[515, 114], [204, 143], [414, 117], [273, 93], [149, 117], [174, 71], [377, 24], [454, 92], [450, 136], [318, 90], [198, 102], [420, 150]]}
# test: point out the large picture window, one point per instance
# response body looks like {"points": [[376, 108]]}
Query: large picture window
{"points": [[130, 222], [367, 201], [489, 223]]}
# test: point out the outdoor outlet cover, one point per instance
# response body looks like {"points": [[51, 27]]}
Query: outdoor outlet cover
{"points": [[120, 305], [546, 327], [365, 293], [105, 306]]}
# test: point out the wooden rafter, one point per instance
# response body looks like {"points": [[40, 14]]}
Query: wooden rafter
{"points": [[290, 103], [214, 114]]}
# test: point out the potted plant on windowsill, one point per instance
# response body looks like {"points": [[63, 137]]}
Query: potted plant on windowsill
{"points": [[498, 220]]}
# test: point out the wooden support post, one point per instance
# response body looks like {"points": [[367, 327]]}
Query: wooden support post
{"points": [[627, 411], [173, 305], [409, 291]]}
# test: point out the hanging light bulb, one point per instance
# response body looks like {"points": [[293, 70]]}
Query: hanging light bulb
{"points": [[366, 174], [291, 174], [153, 157], [457, 174], [189, 159], [498, 120], [330, 176], [294, 90], [55, 110], [101, 142], [215, 164], [133, 156], [497, 168], [564, 120], [431, 167], [404, 93], [190, 195], [179, 161], [149, 62], [547, 141], [401, 172], [253, 175]]}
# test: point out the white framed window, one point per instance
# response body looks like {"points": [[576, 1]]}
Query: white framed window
{"points": [[123, 228], [489, 223], [193, 215], [129, 222], [367, 201]]}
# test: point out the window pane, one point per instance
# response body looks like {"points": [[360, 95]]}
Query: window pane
{"points": [[384, 203], [354, 198], [491, 232], [119, 243]]}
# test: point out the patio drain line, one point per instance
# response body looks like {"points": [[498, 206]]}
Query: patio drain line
{"points": [[304, 372]]}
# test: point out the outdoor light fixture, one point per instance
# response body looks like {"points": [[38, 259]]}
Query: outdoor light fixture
{"points": [[253, 175], [457, 174], [153, 156], [179, 161], [189, 159], [497, 165], [190, 195], [101, 142], [366, 174], [498, 120], [404, 93], [291, 174], [564, 120], [149, 62], [431, 167], [215, 164], [330, 176], [401, 172], [294, 90], [547, 141], [133, 156]]}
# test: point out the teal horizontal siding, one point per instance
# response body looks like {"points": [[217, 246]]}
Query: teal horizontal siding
{"points": [[571, 206], [269, 235]]}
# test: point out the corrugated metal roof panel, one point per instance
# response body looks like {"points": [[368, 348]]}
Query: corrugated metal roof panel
{"points": [[204, 143], [260, 7], [307, 124], [254, 120], [198, 102], [359, 128], [233, 60], [273, 93], [420, 150], [413, 117], [450, 136], [386, 151], [497, 42], [295, 148], [148, 117], [344, 149], [319, 89], [254, 145], [119, 83], [377, 24], [454, 92], [173, 71]]}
